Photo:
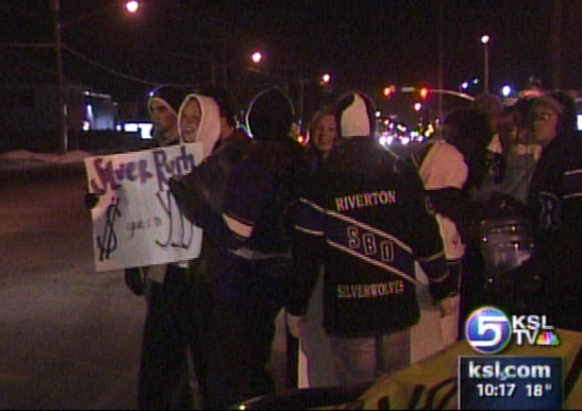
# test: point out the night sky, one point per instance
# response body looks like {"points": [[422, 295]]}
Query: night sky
{"points": [[364, 44]]}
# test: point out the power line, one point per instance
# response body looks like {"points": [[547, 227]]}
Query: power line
{"points": [[123, 75]]}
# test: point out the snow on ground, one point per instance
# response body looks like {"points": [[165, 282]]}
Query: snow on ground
{"points": [[74, 156]]}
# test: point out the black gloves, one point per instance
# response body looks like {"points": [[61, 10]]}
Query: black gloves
{"points": [[135, 280], [91, 200], [189, 197]]}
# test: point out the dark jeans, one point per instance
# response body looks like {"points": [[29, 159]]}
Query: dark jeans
{"points": [[176, 319], [242, 328]]}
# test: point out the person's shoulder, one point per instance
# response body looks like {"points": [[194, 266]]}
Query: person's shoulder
{"points": [[446, 149], [239, 135]]}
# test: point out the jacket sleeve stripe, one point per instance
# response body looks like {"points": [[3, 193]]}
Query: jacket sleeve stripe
{"points": [[237, 227], [377, 263], [310, 218], [431, 258], [572, 184], [318, 233]]}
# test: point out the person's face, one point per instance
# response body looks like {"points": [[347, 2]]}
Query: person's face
{"points": [[545, 124], [190, 120], [164, 119], [325, 133]]}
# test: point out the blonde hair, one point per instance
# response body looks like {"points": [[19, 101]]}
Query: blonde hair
{"points": [[319, 114]]}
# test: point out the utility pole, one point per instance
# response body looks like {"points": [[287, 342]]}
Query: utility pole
{"points": [[441, 61], [556, 44], [62, 138]]}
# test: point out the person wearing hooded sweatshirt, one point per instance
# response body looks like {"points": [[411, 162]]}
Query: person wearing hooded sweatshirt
{"points": [[367, 220], [174, 322], [449, 167], [551, 281], [252, 280]]}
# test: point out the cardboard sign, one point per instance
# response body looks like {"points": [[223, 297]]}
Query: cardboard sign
{"points": [[137, 221]]}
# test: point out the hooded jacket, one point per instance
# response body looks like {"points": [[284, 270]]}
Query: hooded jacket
{"points": [[208, 131], [259, 183]]}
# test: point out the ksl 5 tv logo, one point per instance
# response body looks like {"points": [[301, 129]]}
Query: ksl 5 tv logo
{"points": [[488, 330]]}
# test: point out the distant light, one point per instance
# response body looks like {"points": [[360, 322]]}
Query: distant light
{"points": [[378, 113], [132, 6], [485, 39], [326, 78], [389, 91], [405, 140], [417, 106], [144, 129], [257, 56], [506, 90], [579, 122], [465, 85]]}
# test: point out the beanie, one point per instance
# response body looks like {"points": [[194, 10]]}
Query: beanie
{"points": [[171, 96], [355, 115], [549, 100], [488, 104], [270, 115], [225, 101]]}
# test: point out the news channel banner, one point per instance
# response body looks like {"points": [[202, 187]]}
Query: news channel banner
{"points": [[509, 382]]}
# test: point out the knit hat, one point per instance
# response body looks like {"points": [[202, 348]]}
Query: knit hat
{"points": [[548, 100], [488, 104], [171, 96], [270, 115], [355, 115], [225, 102]]}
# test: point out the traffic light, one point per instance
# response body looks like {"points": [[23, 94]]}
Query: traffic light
{"points": [[389, 91], [423, 93]]}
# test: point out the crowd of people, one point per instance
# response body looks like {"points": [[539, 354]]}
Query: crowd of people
{"points": [[355, 243]]}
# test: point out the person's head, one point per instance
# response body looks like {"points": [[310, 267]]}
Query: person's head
{"points": [[190, 116], [355, 115], [467, 129], [270, 116], [517, 128], [554, 114], [323, 130], [163, 105], [490, 106], [227, 108], [199, 121]]}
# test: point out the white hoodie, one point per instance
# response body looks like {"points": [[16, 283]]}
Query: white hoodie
{"points": [[208, 134], [208, 131]]}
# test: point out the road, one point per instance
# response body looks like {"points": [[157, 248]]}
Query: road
{"points": [[69, 337]]}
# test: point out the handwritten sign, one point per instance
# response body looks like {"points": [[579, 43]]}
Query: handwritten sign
{"points": [[137, 221]]}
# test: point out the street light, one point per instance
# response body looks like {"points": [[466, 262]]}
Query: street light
{"points": [[131, 6], [257, 57], [485, 40]]}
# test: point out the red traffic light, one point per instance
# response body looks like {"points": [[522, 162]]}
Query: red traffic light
{"points": [[389, 91]]}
